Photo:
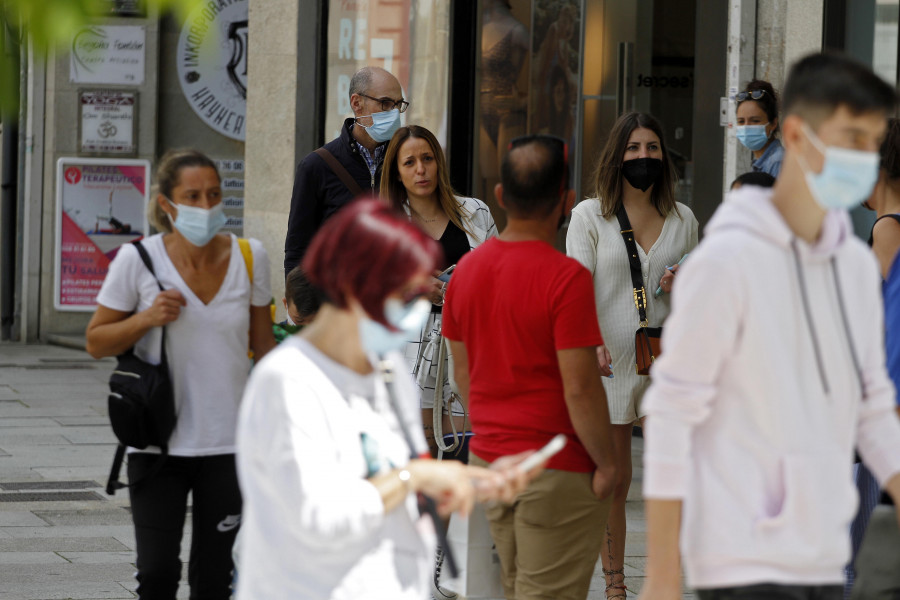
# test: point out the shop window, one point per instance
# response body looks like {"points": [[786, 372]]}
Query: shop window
{"points": [[409, 38]]}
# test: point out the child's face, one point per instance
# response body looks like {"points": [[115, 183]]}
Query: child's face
{"points": [[294, 314]]}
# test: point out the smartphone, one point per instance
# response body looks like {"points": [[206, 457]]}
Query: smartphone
{"points": [[445, 274], [552, 448], [659, 290]]}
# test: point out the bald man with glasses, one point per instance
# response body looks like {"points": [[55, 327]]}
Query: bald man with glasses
{"points": [[348, 166]]}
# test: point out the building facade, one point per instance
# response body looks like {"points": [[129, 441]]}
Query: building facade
{"points": [[258, 84]]}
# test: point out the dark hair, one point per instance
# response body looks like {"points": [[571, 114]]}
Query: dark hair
{"points": [[392, 189], [367, 251], [819, 83], [768, 102], [168, 174], [534, 172], [608, 174], [890, 150], [757, 178], [301, 293]]}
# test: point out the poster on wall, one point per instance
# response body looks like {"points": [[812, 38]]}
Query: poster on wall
{"points": [[107, 124], [108, 54], [212, 65], [100, 205]]}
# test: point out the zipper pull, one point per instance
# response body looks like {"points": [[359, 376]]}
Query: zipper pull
{"points": [[372, 181]]}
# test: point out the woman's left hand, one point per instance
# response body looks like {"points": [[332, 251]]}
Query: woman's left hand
{"points": [[668, 280], [504, 480], [435, 293]]}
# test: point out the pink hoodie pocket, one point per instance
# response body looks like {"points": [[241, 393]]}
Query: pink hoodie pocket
{"points": [[812, 526]]}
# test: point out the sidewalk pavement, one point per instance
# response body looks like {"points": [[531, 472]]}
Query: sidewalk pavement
{"points": [[61, 536]]}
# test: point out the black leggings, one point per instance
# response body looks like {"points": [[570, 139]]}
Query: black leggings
{"points": [[158, 507]]}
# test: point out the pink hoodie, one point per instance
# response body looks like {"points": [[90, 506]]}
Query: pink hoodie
{"points": [[760, 397]]}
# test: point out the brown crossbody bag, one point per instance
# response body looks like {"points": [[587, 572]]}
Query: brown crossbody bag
{"points": [[646, 339]]}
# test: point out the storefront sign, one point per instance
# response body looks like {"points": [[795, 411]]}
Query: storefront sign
{"points": [[100, 205], [212, 65], [108, 54], [108, 122]]}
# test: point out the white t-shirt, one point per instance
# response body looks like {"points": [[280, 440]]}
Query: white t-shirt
{"points": [[313, 526], [206, 345]]}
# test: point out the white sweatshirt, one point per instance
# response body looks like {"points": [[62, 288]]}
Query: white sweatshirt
{"points": [[756, 403], [314, 527]]}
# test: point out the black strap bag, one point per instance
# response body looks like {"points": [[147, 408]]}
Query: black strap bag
{"points": [[646, 339], [141, 401]]}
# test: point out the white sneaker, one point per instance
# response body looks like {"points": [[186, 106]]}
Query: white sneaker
{"points": [[437, 592]]}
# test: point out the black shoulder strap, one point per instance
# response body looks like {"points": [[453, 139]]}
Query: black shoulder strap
{"points": [[634, 262], [338, 169], [113, 483], [149, 264]]}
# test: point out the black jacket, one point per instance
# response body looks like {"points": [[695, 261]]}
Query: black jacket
{"points": [[318, 193]]}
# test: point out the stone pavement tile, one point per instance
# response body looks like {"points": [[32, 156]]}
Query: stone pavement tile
{"points": [[63, 544], [90, 435], [30, 558], [9, 410], [99, 472], [98, 558], [67, 455], [101, 419], [101, 589], [86, 517], [33, 439], [22, 422], [121, 533], [20, 518]]}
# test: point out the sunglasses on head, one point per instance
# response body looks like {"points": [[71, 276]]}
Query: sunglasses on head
{"points": [[751, 95], [558, 144]]}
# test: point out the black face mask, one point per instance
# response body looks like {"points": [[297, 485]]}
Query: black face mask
{"points": [[641, 173]]}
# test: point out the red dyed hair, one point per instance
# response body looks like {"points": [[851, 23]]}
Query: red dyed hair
{"points": [[368, 251]]}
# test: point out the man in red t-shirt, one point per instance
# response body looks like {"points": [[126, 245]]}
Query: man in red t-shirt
{"points": [[522, 325]]}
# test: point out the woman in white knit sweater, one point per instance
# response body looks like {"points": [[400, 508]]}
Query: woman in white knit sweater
{"points": [[634, 175]]}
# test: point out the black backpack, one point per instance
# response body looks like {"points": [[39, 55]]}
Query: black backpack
{"points": [[141, 402]]}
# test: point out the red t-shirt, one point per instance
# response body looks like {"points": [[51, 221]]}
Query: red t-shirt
{"points": [[513, 305]]}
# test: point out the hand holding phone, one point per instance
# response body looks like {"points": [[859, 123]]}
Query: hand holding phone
{"points": [[445, 274]]}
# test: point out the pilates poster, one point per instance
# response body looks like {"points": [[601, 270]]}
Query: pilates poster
{"points": [[100, 205]]}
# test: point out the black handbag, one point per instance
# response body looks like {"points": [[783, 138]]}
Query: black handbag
{"points": [[646, 339], [141, 402]]}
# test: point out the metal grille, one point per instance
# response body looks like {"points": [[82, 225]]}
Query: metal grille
{"points": [[50, 497], [48, 485]]}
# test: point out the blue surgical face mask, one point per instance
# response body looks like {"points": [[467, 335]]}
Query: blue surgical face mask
{"points": [[847, 176], [753, 137], [384, 125], [198, 225], [408, 319]]}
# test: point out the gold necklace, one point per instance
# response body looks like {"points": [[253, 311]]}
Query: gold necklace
{"points": [[421, 218]]}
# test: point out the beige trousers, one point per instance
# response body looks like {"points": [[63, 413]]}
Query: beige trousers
{"points": [[549, 539]]}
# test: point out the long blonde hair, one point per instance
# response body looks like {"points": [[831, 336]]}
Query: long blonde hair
{"points": [[394, 193]]}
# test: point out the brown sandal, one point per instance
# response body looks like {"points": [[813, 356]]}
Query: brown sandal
{"points": [[618, 587]]}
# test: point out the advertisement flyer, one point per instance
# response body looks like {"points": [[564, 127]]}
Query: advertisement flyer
{"points": [[100, 205]]}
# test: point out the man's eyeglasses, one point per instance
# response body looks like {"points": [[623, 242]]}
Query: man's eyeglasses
{"points": [[389, 103], [751, 95]]}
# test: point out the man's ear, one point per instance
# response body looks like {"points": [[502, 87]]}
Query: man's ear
{"points": [[498, 194], [792, 134], [356, 102]]}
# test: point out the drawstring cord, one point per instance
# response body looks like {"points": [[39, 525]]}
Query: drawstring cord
{"points": [[808, 315]]}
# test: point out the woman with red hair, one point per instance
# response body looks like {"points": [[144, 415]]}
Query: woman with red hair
{"points": [[324, 451]]}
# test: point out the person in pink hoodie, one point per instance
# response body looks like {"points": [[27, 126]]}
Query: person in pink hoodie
{"points": [[773, 368]]}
